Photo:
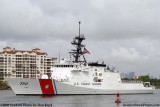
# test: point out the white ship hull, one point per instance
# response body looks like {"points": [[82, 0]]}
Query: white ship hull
{"points": [[52, 87]]}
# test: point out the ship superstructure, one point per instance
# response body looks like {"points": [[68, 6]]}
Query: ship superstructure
{"points": [[79, 77]]}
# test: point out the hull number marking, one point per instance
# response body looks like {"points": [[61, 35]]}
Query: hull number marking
{"points": [[23, 83]]}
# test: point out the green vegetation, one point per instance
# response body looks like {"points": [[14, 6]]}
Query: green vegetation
{"points": [[4, 86], [155, 82]]}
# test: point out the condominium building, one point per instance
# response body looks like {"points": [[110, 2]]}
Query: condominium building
{"points": [[24, 64]]}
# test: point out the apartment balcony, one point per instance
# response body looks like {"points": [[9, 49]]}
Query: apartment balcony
{"points": [[38, 72], [13, 71]]}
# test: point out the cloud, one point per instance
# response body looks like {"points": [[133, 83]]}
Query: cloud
{"points": [[141, 57], [123, 33], [102, 19], [25, 21], [125, 54]]}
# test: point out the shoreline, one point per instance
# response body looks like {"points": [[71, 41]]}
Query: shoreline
{"points": [[4, 86]]}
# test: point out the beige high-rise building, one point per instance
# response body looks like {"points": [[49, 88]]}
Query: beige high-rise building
{"points": [[24, 64]]}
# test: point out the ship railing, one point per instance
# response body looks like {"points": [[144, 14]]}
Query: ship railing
{"points": [[62, 80], [111, 71], [131, 81]]}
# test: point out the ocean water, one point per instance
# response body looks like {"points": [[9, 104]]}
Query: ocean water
{"points": [[9, 99]]}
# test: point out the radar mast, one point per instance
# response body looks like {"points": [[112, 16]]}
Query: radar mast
{"points": [[79, 51]]}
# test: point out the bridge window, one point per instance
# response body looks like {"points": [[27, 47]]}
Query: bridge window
{"points": [[63, 66]]}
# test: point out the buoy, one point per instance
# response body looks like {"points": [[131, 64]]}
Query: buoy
{"points": [[117, 100]]}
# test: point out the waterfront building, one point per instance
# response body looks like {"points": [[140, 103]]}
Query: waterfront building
{"points": [[122, 75], [131, 74], [24, 64]]}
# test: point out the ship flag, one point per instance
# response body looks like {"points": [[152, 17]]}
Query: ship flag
{"points": [[86, 51]]}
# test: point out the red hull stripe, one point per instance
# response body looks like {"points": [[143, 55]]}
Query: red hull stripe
{"points": [[46, 86]]}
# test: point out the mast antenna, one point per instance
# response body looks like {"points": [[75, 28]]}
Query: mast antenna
{"points": [[79, 28], [60, 52]]}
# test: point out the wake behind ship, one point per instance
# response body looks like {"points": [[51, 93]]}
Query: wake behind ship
{"points": [[77, 76]]}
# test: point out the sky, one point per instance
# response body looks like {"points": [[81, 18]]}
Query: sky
{"points": [[123, 33]]}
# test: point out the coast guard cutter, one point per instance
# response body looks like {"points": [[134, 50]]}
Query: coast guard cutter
{"points": [[76, 76]]}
